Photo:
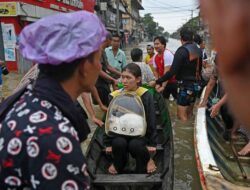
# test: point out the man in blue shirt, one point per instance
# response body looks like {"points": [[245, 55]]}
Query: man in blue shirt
{"points": [[116, 57]]}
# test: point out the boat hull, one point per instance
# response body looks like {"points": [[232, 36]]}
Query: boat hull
{"points": [[162, 179], [218, 165]]}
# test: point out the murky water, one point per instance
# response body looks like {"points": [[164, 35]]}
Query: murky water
{"points": [[186, 176], [10, 82]]}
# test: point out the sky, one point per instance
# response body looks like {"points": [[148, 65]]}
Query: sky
{"points": [[170, 14]]}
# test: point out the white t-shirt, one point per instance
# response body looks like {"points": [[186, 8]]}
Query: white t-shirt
{"points": [[147, 74], [168, 58]]}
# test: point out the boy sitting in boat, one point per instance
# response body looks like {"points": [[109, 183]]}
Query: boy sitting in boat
{"points": [[130, 124]]}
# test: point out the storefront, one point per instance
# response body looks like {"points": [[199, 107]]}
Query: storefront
{"points": [[14, 15]]}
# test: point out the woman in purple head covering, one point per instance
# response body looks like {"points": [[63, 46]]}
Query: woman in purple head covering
{"points": [[41, 128]]}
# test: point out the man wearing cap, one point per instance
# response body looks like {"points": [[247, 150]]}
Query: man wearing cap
{"points": [[40, 125]]}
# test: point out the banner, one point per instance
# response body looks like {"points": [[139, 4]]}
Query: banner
{"points": [[9, 53], [9, 41], [8, 9]]}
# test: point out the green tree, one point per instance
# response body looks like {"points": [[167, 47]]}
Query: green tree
{"points": [[192, 24], [166, 35], [152, 28], [149, 25], [159, 30]]}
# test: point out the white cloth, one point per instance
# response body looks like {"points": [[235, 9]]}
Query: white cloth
{"points": [[168, 58], [147, 74]]}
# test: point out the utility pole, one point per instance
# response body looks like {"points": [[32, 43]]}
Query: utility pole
{"points": [[192, 14], [117, 17]]}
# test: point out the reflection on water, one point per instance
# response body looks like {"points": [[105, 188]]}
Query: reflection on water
{"points": [[186, 175]]}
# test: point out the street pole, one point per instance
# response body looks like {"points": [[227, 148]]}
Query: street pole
{"points": [[117, 17], [2, 56]]}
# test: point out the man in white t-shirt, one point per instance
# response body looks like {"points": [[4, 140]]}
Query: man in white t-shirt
{"points": [[147, 74], [162, 62]]}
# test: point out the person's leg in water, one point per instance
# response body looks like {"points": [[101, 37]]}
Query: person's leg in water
{"points": [[138, 150], [236, 126], [182, 113], [185, 102], [120, 154], [246, 149], [190, 110]]}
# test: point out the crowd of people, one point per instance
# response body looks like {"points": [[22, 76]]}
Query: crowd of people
{"points": [[42, 123]]}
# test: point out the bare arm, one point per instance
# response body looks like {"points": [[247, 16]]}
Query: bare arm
{"points": [[160, 88], [223, 100], [216, 108], [156, 74], [166, 69], [107, 77], [209, 88], [95, 94], [87, 102], [113, 70]]}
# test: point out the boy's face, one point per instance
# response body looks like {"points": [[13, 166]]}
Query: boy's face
{"points": [[150, 50]]}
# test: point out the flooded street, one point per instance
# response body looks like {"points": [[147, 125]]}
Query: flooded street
{"points": [[186, 176]]}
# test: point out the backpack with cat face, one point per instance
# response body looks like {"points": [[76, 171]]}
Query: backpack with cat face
{"points": [[126, 114]]}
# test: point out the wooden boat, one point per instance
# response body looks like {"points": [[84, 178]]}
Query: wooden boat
{"points": [[98, 161], [218, 164]]}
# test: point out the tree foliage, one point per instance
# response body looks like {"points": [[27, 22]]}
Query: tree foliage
{"points": [[152, 28], [192, 24]]}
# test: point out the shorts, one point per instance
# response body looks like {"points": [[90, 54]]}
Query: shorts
{"points": [[186, 95]]}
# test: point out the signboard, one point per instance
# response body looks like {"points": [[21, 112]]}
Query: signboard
{"points": [[103, 6], [9, 53], [74, 3], [9, 35], [9, 41], [8, 9], [111, 18]]}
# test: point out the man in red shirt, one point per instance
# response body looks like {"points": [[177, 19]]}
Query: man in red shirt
{"points": [[162, 62]]}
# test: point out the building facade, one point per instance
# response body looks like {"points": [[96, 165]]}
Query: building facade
{"points": [[14, 15], [132, 26], [121, 16], [110, 12]]}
